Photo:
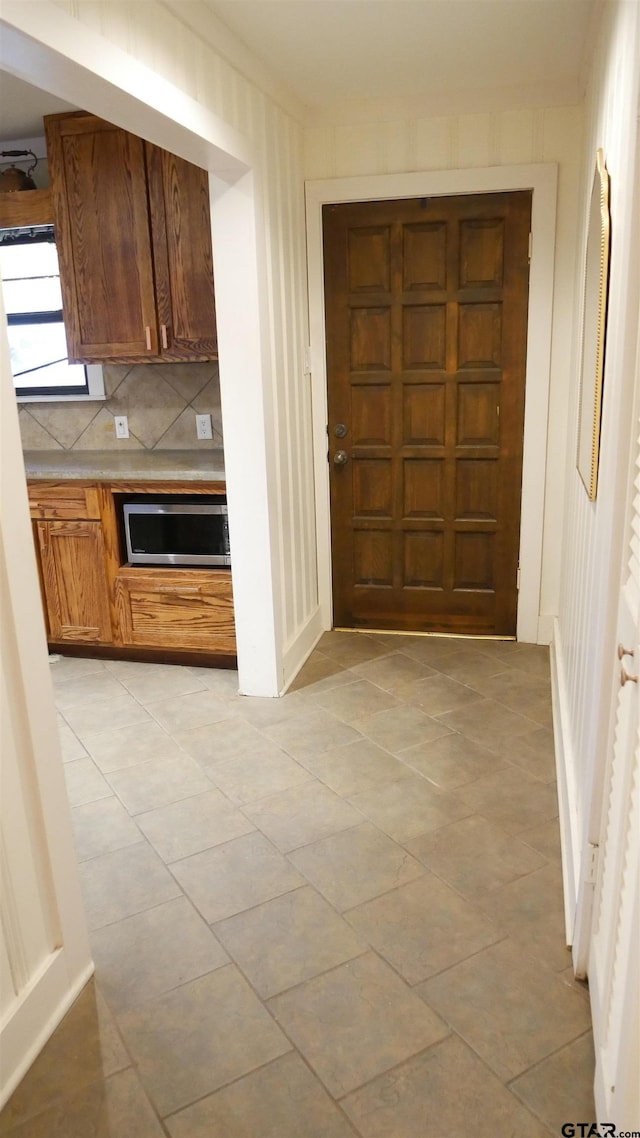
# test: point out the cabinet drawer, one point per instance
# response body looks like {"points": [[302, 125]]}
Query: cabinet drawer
{"points": [[181, 609], [64, 500]]}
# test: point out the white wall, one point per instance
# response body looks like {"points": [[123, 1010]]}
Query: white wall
{"points": [[351, 144], [586, 664], [44, 950], [169, 59]]}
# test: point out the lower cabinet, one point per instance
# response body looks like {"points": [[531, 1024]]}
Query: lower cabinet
{"points": [[74, 580], [92, 597], [174, 608]]}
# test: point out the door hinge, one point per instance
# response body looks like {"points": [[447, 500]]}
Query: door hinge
{"points": [[530, 246], [518, 578], [591, 863]]}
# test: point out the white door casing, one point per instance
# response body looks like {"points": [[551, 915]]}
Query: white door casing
{"points": [[542, 180]]}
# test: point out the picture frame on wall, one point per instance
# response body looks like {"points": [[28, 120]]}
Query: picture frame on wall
{"points": [[594, 326]]}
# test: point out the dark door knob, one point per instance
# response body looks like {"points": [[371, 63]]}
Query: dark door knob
{"points": [[340, 458]]}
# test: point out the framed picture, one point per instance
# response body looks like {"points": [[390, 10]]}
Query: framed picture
{"points": [[594, 326]]}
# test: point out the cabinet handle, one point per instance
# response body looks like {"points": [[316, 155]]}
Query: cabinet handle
{"points": [[164, 337], [147, 336], [625, 677]]}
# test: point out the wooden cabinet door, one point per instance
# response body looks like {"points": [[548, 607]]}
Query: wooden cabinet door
{"points": [[72, 559], [426, 305], [99, 187], [183, 256], [179, 609]]}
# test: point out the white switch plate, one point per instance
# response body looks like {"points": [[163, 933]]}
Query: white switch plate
{"points": [[203, 427], [122, 427]]}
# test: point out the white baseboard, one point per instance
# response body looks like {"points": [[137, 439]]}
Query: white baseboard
{"points": [[567, 797], [546, 623], [301, 648]]}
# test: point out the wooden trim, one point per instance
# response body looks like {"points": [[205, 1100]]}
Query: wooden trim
{"points": [[146, 655], [26, 207]]}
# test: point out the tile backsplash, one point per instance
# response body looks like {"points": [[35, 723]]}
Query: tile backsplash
{"points": [[160, 401]]}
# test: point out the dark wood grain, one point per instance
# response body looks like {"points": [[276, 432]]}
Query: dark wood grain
{"points": [[426, 312]]}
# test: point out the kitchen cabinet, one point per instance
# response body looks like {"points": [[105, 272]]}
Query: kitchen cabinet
{"points": [[71, 563], [93, 599], [134, 243], [191, 608]]}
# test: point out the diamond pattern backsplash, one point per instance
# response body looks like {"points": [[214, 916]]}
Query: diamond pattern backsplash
{"points": [[160, 401]]}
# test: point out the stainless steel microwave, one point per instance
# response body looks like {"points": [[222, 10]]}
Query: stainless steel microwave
{"points": [[177, 530]]}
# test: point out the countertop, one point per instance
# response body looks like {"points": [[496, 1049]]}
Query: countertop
{"points": [[126, 465]]}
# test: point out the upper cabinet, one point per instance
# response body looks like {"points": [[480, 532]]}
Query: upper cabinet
{"points": [[134, 242]]}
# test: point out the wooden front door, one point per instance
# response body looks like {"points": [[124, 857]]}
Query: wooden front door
{"points": [[426, 314]]}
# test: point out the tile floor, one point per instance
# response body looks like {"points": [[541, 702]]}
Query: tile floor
{"points": [[329, 915]]}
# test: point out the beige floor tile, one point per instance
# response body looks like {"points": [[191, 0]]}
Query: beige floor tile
{"points": [[546, 839], [319, 669], [281, 1100], [301, 815], [85, 1048], [290, 939], [355, 1022], [511, 798], [105, 714], [510, 1008], [195, 1039], [84, 782], [123, 747], [527, 694], [194, 824], [439, 693], [216, 742], [102, 826], [534, 753], [356, 767], [264, 712], [119, 884], [236, 876], [466, 664], [409, 807], [580, 986], [531, 911], [430, 650], [222, 681], [560, 1089], [445, 1093], [452, 760], [152, 952], [160, 782], [356, 865], [355, 700], [85, 688], [400, 728], [533, 659], [187, 712], [487, 722], [393, 672], [72, 668], [312, 733], [473, 856], [161, 681], [70, 745], [423, 927], [350, 648], [257, 774], [108, 1109]]}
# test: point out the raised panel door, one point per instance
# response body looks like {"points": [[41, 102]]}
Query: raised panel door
{"points": [[72, 559], [426, 314]]}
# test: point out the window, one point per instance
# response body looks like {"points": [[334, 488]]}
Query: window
{"points": [[33, 302]]}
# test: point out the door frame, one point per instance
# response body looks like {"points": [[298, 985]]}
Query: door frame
{"points": [[541, 178]]}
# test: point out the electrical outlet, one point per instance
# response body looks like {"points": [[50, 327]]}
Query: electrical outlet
{"points": [[203, 427], [122, 427]]}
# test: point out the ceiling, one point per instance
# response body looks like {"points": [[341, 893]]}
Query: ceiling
{"points": [[333, 50], [329, 51], [22, 107]]}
